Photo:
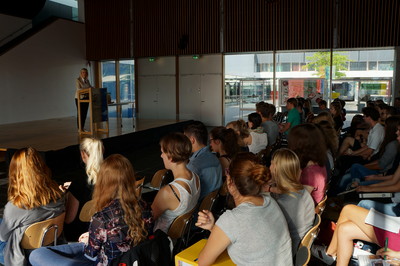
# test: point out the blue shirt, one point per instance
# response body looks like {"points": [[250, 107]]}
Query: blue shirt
{"points": [[207, 166]]}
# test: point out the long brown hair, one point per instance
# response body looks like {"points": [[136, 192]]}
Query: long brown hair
{"points": [[308, 142], [228, 138], [116, 180], [30, 180], [391, 125]]}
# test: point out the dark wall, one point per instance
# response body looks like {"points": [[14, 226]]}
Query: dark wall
{"points": [[128, 28]]}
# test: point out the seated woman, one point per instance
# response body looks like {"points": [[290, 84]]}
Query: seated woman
{"points": [[387, 154], [224, 142], [248, 230], [80, 191], [116, 226], [308, 142], [242, 132], [356, 136], [182, 194], [295, 201], [351, 225], [32, 197], [258, 139]]}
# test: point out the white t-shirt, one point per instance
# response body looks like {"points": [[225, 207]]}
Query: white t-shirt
{"points": [[375, 137], [259, 141]]}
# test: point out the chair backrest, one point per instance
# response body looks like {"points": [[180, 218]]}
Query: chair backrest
{"points": [[223, 191], [43, 233], [87, 211], [180, 226], [157, 179], [321, 205], [303, 253], [139, 186], [208, 201]]}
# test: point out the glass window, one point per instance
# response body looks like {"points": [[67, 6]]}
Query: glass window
{"points": [[358, 66], [108, 79], [127, 86], [385, 65], [372, 66], [283, 67]]}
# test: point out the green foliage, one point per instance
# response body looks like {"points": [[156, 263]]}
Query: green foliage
{"points": [[320, 60]]}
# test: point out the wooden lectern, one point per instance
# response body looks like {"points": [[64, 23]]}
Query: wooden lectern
{"points": [[98, 109]]}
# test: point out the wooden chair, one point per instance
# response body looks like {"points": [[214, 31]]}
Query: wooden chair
{"points": [[319, 209], [159, 180], [303, 253], [43, 233], [87, 211], [209, 200], [139, 186], [179, 230]]}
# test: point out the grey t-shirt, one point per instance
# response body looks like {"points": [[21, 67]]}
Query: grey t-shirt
{"points": [[272, 130], [388, 156], [259, 235], [299, 212]]}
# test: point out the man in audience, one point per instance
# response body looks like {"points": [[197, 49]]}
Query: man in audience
{"points": [[204, 163], [269, 126], [322, 106], [293, 118]]}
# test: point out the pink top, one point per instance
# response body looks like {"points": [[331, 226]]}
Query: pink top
{"points": [[315, 176], [394, 239]]}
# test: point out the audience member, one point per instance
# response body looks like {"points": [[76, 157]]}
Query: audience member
{"points": [[322, 106], [331, 141], [324, 116], [80, 191], [375, 138], [202, 162], [295, 201], [224, 142], [308, 142], [350, 226], [242, 131], [357, 135], [182, 194], [267, 112], [116, 226], [32, 197], [248, 230], [257, 140], [336, 112], [293, 118], [386, 112]]}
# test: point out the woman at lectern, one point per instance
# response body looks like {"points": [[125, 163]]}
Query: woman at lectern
{"points": [[82, 82]]}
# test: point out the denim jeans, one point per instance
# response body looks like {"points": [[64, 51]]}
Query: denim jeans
{"points": [[392, 209], [63, 255], [357, 173]]}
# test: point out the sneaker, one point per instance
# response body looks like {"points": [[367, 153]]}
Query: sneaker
{"points": [[320, 253]]}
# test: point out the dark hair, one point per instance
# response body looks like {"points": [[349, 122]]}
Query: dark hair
{"points": [[248, 176], [197, 130], [228, 138], [322, 102], [255, 118], [390, 109], [271, 109], [391, 125], [330, 135], [371, 112], [177, 146], [338, 108], [262, 108], [308, 142], [292, 101], [357, 123]]}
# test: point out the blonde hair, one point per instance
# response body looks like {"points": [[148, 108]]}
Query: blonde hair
{"points": [[30, 184], [287, 171], [240, 128], [94, 150], [324, 116], [116, 180]]}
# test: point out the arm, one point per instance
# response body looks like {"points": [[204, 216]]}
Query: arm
{"points": [[285, 127], [389, 253], [373, 165], [9, 223], [216, 244], [164, 200], [71, 208], [378, 177], [97, 233]]}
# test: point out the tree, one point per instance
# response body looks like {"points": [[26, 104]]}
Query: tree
{"points": [[320, 61]]}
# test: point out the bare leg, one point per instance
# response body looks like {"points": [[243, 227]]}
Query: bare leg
{"points": [[356, 215], [348, 231]]}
